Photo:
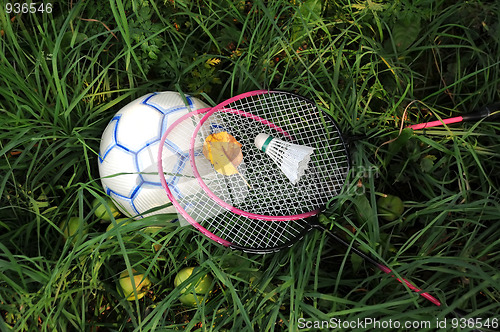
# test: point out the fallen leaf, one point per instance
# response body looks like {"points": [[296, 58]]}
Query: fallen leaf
{"points": [[224, 152]]}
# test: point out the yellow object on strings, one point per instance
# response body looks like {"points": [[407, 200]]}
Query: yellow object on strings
{"points": [[224, 153]]}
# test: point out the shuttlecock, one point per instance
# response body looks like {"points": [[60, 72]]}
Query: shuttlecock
{"points": [[292, 159]]}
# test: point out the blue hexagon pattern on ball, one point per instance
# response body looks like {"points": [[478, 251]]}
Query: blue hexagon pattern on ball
{"points": [[128, 153]]}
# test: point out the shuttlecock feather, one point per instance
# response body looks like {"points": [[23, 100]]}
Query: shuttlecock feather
{"points": [[292, 159]]}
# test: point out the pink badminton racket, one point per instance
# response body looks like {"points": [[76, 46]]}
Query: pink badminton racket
{"points": [[290, 118], [257, 210]]}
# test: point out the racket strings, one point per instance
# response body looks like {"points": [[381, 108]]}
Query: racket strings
{"points": [[196, 206], [288, 118], [256, 234]]}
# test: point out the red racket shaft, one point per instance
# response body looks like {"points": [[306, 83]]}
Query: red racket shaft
{"points": [[437, 123], [489, 111], [409, 284], [380, 266]]}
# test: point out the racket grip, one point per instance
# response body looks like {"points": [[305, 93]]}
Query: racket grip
{"points": [[489, 111], [428, 296]]}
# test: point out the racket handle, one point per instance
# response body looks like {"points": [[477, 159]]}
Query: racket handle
{"points": [[378, 265]]}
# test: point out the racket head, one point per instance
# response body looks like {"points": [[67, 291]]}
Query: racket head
{"points": [[291, 118], [205, 214]]}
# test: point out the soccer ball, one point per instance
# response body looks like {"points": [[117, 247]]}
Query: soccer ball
{"points": [[128, 153]]}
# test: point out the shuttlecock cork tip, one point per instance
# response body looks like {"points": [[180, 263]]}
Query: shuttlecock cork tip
{"points": [[262, 140]]}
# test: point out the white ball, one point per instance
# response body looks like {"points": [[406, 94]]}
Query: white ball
{"points": [[129, 145]]}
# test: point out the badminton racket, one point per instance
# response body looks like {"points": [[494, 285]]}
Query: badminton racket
{"points": [[241, 230], [289, 118]]}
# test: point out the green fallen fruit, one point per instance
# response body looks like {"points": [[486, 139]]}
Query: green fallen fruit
{"points": [[104, 212], [390, 207], [152, 230], [191, 299], [119, 222], [190, 295], [141, 284], [72, 227]]}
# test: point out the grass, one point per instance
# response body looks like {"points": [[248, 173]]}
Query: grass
{"points": [[64, 74]]}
